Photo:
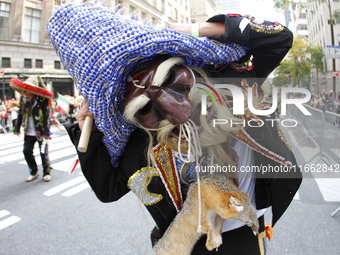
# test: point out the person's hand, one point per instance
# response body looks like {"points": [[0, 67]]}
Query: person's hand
{"points": [[47, 137], [17, 133], [81, 115]]}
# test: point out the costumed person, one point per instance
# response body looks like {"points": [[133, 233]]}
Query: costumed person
{"points": [[34, 116], [144, 86]]}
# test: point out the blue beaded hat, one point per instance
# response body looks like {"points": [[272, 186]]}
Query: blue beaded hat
{"points": [[101, 48]]}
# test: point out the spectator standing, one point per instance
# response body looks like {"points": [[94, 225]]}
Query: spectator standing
{"points": [[13, 110], [3, 114]]}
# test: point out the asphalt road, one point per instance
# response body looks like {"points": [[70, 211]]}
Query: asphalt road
{"points": [[63, 216]]}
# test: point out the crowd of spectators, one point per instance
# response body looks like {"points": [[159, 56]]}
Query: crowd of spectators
{"points": [[326, 101], [8, 114], [323, 101]]}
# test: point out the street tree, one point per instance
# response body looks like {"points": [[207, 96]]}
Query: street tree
{"points": [[296, 68], [316, 60]]}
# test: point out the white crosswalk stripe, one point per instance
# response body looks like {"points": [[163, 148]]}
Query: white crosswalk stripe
{"points": [[76, 189], [297, 196], [59, 147], [62, 155], [7, 221], [64, 186], [330, 188]]}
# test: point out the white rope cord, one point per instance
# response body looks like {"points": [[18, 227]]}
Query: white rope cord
{"points": [[190, 133], [152, 129], [183, 131], [197, 154]]}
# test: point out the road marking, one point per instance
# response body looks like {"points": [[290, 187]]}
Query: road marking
{"points": [[60, 144], [71, 151], [330, 188], [9, 221], [65, 165], [11, 147], [56, 143], [4, 213], [76, 189], [64, 186]]}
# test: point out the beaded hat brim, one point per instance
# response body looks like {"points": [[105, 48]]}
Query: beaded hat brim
{"points": [[101, 48]]}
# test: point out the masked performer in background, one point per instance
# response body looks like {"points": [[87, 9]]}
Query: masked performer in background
{"points": [[144, 86], [34, 115]]}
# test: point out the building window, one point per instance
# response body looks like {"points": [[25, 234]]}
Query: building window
{"points": [[4, 20], [32, 25], [169, 10], [132, 9], [302, 27], [162, 6], [5, 62], [27, 63], [303, 15], [57, 64], [59, 2], [38, 63], [153, 21]]}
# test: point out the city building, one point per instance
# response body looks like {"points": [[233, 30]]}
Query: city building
{"points": [[229, 5], [296, 18], [25, 48], [324, 30], [201, 10]]}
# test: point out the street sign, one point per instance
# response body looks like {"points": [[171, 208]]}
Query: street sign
{"points": [[335, 74], [332, 51], [2, 72]]}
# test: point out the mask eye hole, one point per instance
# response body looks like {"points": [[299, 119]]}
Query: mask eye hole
{"points": [[178, 81], [146, 109], [180, 88]]}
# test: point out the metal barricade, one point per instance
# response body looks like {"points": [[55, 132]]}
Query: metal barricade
{"points": [[310, 125], [314, 125], [323, 128], [331, 136]]}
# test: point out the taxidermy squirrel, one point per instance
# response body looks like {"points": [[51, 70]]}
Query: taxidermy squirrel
{"points": [[220, 199]]}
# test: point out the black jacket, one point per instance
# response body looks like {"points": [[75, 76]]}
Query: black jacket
{"points": [[40, 113], [268, 44]]}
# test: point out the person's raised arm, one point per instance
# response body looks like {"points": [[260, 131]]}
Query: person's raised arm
{"points": [[208, 29], [268, 42]]}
